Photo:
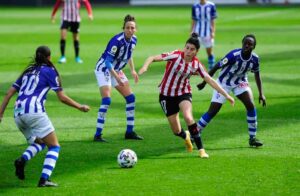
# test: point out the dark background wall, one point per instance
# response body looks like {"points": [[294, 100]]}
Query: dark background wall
{"points": [[52, 2]]}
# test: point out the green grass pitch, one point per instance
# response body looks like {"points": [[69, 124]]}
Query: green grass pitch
{"points": [[164, 167]]}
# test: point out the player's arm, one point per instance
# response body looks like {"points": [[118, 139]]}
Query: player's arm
{"points": [[132, 69], [192, 26], [211, 72], [148, 61], [89, 9], [213, 28], [108, 63], [11, 91], [208, 79], [55, 8], [261, 98], [70, 102]]}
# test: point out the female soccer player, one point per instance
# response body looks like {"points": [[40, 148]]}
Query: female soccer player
{"points": [[109, 74], [30, 115], [175, 90], [204, 14], [233, 77], [70, 19]]}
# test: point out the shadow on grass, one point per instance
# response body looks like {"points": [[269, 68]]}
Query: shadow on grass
{"points": [[84, 155]]}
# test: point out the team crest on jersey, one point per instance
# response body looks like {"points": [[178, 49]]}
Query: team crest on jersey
{"points": [[224, 61], [114, 49]]}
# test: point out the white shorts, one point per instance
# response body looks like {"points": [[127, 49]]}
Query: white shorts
{"points": [[104, 78], [206, 42], [237, 90], [34, 126]]}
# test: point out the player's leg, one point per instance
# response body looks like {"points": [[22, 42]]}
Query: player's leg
{"points": [[63, 36], [105, 92], [104, 81], [246, 98], [211, 57], [50, 160], [36, 145], [186, 109], [75, 31], [129, 96], [217, 101]]}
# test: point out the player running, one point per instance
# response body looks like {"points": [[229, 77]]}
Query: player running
{"points": [[175, 90], [233, 77], [30, 114]]}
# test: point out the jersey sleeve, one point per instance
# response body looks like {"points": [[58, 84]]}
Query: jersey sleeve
{"points": [[255, 67], [88, 6], [214, 12], [17, 84], [53, 80], [201, 70], [194, 16], [170, 55], [112, 48], [56, 6], [228, 59]]}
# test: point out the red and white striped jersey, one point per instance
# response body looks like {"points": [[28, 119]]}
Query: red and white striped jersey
{"points": [[70, 11], [176, 80]]}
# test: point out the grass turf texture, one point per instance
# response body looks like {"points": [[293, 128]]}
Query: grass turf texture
{"points": [[163, 167]]}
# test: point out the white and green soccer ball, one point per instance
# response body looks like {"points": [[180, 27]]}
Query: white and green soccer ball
{"points": [[127, 158]]}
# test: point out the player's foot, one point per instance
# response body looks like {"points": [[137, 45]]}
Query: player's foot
{"points": [[78, 60], [20, 165], [203, 154], [46, 183], [133, 136], [188, 142], [62, 59], [255, 142], [99, 139]]}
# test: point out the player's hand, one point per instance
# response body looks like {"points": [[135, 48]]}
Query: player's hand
{"points": [[201, 85], [84, 108], [135, 76], [91, 17], [231, 100], [212, 35], [142, 70], [120, 82], [52, 19], [262, 99]]}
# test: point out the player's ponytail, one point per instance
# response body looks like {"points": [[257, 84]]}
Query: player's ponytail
{"points": [[128, 18], [194, 40]]}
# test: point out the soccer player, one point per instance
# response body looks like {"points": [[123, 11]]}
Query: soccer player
{"points": [[109, 74], [175, 90], [204, 14], [30, 115], [233, 77], [70, 19]]}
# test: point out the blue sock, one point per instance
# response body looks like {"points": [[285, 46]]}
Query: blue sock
{"points": [[252, 123], [50, 162], [32, 150], [102, 114], [211, 61], [130, 108], [204, 120]]}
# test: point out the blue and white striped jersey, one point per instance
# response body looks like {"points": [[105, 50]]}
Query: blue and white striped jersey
{"points": [[203, 15], [119, 50], [234, 67], [33, 87]]}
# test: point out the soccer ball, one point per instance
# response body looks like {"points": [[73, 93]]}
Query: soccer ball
{"points": [[127, 158]]}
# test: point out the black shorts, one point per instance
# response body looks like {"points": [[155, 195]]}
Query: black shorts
{"points": [[71, 26], [170, 105]]}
